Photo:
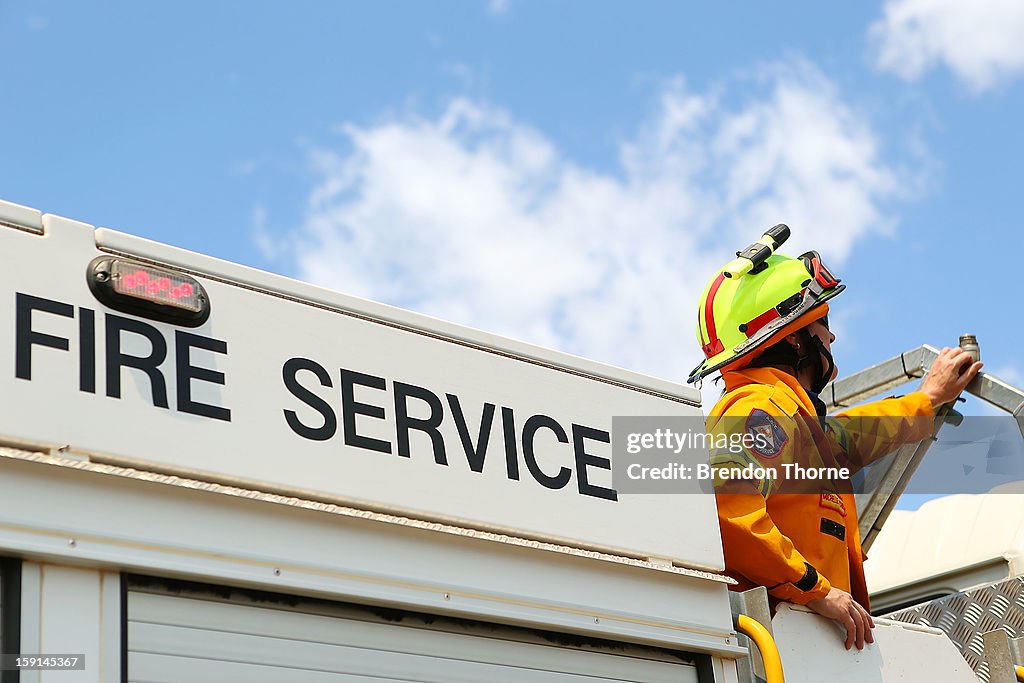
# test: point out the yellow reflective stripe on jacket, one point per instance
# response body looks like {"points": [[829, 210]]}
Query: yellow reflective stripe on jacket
{"points": [[841, 435], [724, 457], [874, 430]]}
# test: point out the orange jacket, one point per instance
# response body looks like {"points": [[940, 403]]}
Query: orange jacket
{"points": [[799, 544]]}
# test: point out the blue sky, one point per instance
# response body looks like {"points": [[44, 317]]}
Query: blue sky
{"points": [[568, 173]]}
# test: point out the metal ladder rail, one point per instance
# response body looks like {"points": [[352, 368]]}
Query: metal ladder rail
{"points": [[887, 484], [1004, 657]]}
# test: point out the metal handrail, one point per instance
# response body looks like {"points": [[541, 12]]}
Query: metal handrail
{"points": [[887, 483], [760, 636]]}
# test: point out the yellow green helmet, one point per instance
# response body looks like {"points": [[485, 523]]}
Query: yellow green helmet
{"points": [[756, 300]]}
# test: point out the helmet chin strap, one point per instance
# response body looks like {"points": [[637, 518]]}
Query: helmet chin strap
{"points": [[822, 370], [825, 373]]}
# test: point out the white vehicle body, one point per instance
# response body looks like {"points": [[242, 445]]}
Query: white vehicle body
{"points": [[300, 489]]}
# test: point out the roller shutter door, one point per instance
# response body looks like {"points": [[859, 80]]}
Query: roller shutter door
{"points": [[194, 635], [10, 613]]}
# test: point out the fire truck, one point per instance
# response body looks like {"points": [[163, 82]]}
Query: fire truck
{"points": [[213, 473]]}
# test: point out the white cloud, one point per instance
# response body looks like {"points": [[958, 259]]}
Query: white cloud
{"points": [[478, 218], [245, 167], [497, 6], [261, 236], [979, 41], [464, 74]]}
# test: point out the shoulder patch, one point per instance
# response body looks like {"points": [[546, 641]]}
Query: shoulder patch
{"points": [[832, 501], [768, 438]]}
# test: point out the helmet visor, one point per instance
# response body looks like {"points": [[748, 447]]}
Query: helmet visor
{"points": [[819, 271]]}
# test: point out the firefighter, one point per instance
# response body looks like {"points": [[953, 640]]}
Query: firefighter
{"points": [[765, 327]]}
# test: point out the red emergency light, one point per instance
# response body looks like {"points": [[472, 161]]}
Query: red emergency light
{"points": [[148, 291]]}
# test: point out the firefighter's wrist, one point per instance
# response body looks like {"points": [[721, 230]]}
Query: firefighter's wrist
{"points": [[927, 402], [820, 590], [811, 586]]}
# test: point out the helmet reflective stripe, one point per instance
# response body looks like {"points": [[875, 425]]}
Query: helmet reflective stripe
{"points": [[757, 324], [714, 344], [807, 303]]}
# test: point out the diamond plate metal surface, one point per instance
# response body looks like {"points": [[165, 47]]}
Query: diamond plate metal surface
{"points": [[965, 616]]}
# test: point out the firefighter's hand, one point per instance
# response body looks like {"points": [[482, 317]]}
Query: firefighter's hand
{"points": [[951, 372], [840, 606]]}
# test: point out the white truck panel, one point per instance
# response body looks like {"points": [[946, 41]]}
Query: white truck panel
{"points": [[241, 432], [20, 217], [70, 610], [812, 651], [205, 534]]}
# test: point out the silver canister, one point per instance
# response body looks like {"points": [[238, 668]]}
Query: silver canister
{"points": [[969, 343]]}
